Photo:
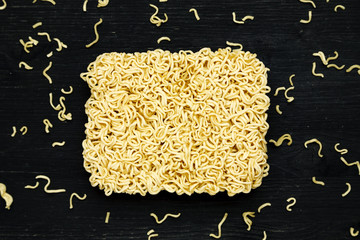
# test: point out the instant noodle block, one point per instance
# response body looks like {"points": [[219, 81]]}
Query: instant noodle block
{"points": [[182, 122]]}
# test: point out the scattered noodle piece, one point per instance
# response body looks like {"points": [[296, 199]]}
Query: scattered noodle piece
{"points": [[353, 233], [28, 44], [277, 108], [47, 125], [247, 220], [236, 21], [38, 24], [45, 34], [32, 187], [27, 67], [265, 236], [195, 13], [163, 39], [50, 54], [150, 232], [314, 140], [317, 182], [61, 45], [54, 144], [334, 57], [321, 55], [14, 131], [353, 67], [279, 89], [107, 217], [232, 44], [67, 92], [314, 73], [96, 34], [6, 196], [48, 184], [288, 207], [45, 72], [61, 115], [248, 17], [155, 19], [335, 66], [4, 5], [357, 163], [290, 79], [165, 217], [162, 0], [85, 5], [263, 206], [102, 3], [347, 191], [289, 99], [58, 107], [341, 151], [50, 1], [78, 197], [339, 6], [281, 140], [219, 227], [153, 235], [309, 18], [308, 1], [23, 130]]}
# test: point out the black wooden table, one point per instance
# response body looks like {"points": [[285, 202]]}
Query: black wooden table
{"points": [[327, 109]]}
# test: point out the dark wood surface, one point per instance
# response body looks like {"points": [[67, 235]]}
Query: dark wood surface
{"points": [[327, 109]]}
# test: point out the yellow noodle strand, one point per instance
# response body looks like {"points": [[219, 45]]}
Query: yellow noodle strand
{"points": [[107, 217], [45, 72], [314, 73], [165, 217], [38, 24], [153, 235], [314, 140], [48, 184], [247, 220], [339, 6], [263, 206], [155, 19], [50, 54], [309, 18], [23, 130], [288, 207], [335, 66], [102, 3], [232, 44], [281, 140], [60, 144], [14, 131], [347, 191], [27, 67], [321, 55], [32, 187], [58, 107], [163, 39], [45, 34], [4, 5], [342, 151], [85, 5], [67, 92], [219, 227], [78, 197], [248, 17], [6, 196], [353, 67], [334, 57], [353, 233], [47, 125], [96, 33], [150, 232], [317, 182], [308, 1], [357, 163], [279, 89], [290, 79], [195, 13], [289, 99], [236, 21], [277, 108], [265, 236]]}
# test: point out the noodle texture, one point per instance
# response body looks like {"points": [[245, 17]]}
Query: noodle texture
{"points": [[181, 122]]}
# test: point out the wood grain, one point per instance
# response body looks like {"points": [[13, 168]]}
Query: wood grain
{"points": [[327, 109]]}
